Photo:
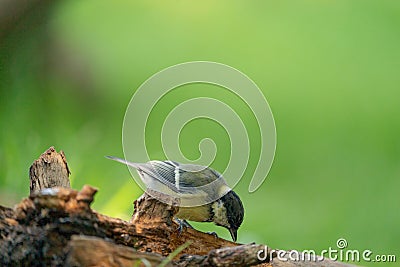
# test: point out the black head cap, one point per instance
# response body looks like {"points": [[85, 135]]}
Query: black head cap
{"points": [[234, 212]]}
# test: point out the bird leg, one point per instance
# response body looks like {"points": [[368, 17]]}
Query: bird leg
{"points": [[213, 233], [183, 224]]}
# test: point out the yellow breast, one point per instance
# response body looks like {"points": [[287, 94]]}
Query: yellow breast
{"points": [[198, 214]]}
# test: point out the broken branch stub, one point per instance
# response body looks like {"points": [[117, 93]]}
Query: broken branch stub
{"points": [[48, 171]]}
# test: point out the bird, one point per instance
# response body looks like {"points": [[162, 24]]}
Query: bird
{"points": [[203, 192]]}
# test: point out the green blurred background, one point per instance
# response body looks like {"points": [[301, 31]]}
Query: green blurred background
{"points": [[329, 69]]}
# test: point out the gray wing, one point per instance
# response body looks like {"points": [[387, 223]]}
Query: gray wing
{"points": [[195, 185], [183, 176], [178, 177]]}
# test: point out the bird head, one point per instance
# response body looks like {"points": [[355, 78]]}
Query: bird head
{"points": [[228, 212]]}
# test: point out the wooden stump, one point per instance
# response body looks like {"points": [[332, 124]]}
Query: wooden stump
{"points": [[49, 170]]}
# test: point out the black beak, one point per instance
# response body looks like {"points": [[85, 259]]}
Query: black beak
{"points": [[233, 234]]}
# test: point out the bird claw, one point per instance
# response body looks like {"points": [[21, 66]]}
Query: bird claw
{"points": [[183, 224], [213, 233]]}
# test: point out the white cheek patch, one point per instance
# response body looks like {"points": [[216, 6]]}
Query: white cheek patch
{"points": [[220, 214]]}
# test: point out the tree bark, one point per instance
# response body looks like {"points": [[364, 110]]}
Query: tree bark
{"points": [[50, 170]]}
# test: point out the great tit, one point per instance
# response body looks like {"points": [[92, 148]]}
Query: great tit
{"points": [[203, 193]]}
